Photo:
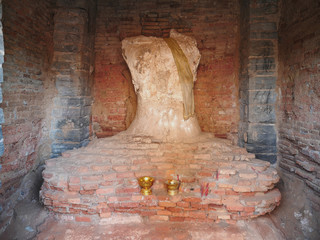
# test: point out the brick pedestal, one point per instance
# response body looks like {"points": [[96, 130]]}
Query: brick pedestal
{"points": [[101, 180]]}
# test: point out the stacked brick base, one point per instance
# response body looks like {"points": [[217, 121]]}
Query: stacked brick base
{"points": [[100, 181]]}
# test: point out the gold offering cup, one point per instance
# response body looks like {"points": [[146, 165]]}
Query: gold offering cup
{"points": [[173, 186], [146, 184]]}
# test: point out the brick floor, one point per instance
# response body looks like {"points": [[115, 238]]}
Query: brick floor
{"points": [[261, 228]]}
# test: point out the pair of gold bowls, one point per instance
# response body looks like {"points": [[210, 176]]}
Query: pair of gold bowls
{"points": [[146, 183]]}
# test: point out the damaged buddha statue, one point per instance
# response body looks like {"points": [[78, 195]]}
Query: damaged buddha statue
{"points": [[163, 143], [163, 73]]}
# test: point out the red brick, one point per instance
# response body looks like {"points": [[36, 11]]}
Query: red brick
{"points": [[106, 183], [147, 166], [197, 214], [214, 206], [176, 219], [163, 198], [192, 199], [158, 159], [244, 183], [127, 190], [89, 186], [235, 208], [167, 204], [164, 212], [246, 214], [195, 166], [212, 215], [248, 194], [74, 211], [154, 207], [164, 166], [82, 219], [121, 168], [88, 211], [105, 214], [203, 156], [249, 209], [125, 175], [242, 189], [174, 209], [159, 218], [124, 199], [112, 199], [137, 198], [148, 213], [224, 216], [247, 175], [95, 178], [171, 154], [104, 191], [87, 192], [205, 174], [109, 176], [179, 214], [129, 204], [219, 191], [140, 161], [101, 168], [231, 192], [60, 210], [183, 204], [176, 198], [224, 176], [74, 188], [199, 206], [60, 204], [74, 200], [114, 205], [74, 179], [102, 205], [82, 169]]}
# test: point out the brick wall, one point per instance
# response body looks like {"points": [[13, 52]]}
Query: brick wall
{"points": [[27, 40], [258, 58], [72, 63], [215, 26], [298, 116]]}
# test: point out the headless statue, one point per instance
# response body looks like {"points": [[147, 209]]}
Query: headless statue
{"points": [[163, 73]]}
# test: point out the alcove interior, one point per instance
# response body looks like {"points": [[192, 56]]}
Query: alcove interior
{"points": [[64, 82]]}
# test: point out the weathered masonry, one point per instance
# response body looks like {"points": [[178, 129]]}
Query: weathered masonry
{"points": [[64, 82]]}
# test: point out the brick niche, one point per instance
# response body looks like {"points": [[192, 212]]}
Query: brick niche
{"points": [[215, 26]]}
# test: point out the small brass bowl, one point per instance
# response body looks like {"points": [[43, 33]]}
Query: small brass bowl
{"points": [[146, 184], [173, 186]]}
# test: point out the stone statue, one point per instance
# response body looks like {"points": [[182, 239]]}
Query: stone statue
{"points": [[163, 72]]}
